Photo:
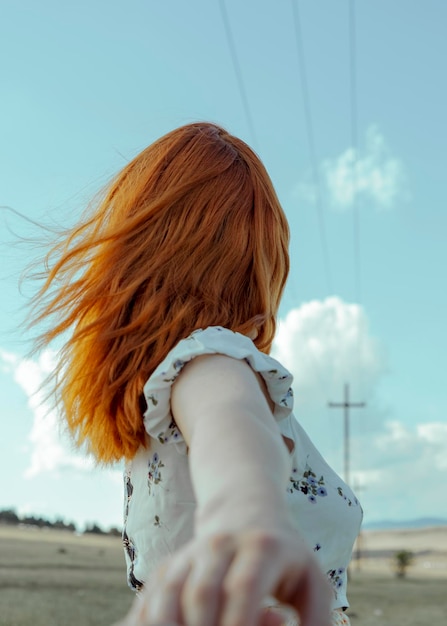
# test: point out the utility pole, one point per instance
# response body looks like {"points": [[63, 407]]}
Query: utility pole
{"points": [[346, 405]]}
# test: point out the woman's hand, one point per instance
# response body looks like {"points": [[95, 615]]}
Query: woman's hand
{"points": [[222, 580]]}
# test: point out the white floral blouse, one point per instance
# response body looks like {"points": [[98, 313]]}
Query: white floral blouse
{"points": [[159, 499]]}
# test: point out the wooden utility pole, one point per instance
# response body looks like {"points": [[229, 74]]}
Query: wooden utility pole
{"points": [[346, 405]]}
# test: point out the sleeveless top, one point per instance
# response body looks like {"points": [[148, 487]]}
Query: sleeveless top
{"points": [[159, 503]]}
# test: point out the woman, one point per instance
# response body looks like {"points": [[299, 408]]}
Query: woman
{"points": [[170, 288]]}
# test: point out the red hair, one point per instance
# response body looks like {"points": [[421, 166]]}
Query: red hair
{"points": [[189, 234]]}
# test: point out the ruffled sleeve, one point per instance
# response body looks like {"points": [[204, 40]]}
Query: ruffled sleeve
{"points": [[158, 420]]}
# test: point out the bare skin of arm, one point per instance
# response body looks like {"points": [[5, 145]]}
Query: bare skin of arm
{"points": [[244, 547]]}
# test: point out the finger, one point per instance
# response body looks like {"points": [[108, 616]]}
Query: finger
{"points": [[202, 593], [318, 607], [251, 576], [311, 596], [134, 623], [261, 568], [272, 617], [163, 592]]}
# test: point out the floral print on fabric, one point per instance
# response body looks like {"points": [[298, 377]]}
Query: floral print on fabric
{"points": [[159, 523], [129, 547], [178, 365], [128, 544], [285, 400], [154, 473], [335, 577], [152, 398], [308, 485], [349, 502], [340, 619], [173, 433], [128, 491]]}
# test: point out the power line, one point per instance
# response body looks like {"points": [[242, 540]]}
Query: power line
{"points": [[237, 70], [355, 147], [354, 142], [311, 141]]}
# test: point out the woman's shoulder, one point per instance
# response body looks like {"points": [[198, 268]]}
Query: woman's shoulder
{"points": [[210, 341], [218, 340]]}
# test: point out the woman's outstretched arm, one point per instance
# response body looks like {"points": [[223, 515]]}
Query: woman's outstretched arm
{"points": [[245, 547]]}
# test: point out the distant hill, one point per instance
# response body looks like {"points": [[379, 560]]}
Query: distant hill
{"points": [[422, 522]]}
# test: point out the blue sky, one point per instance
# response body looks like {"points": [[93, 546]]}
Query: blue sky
{"points": [[87, 86]]}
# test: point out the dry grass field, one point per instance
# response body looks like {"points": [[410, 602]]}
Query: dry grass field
{"points": [[53, 578]]}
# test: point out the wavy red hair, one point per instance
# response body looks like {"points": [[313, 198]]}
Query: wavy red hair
{"points": [[189, 234]]}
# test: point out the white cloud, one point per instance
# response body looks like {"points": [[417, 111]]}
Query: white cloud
{"points": [[326, 344], [426, 443], [433, 436], [373, 174], [60, 484], [403, 470], [50, 448]]}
